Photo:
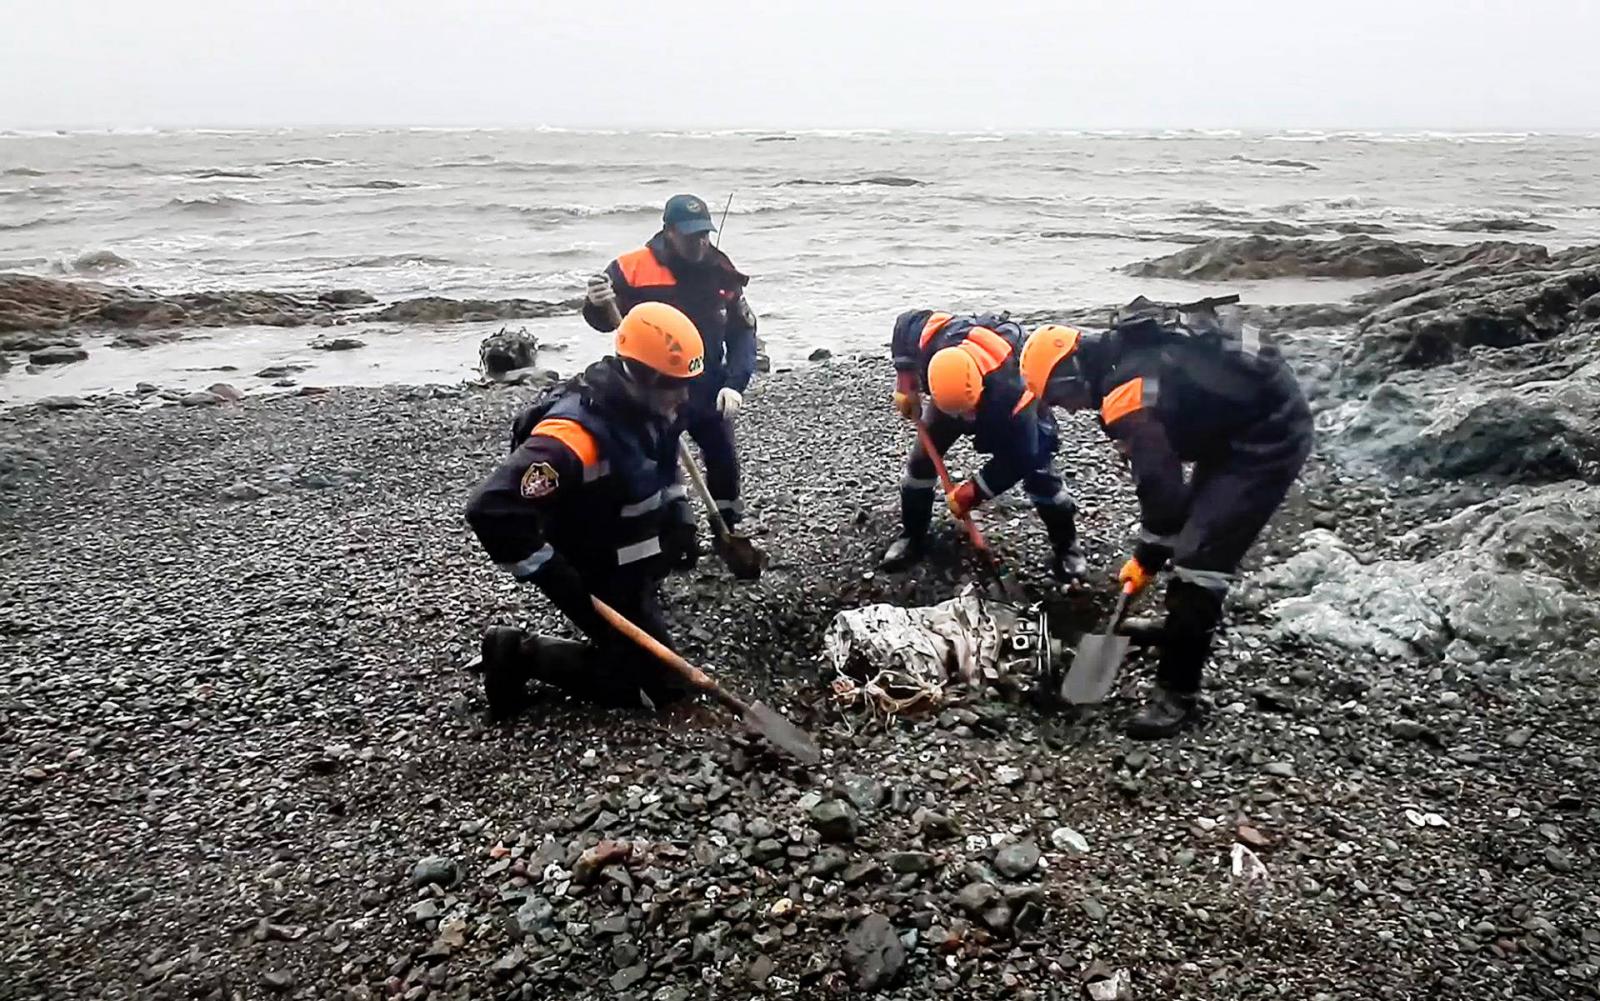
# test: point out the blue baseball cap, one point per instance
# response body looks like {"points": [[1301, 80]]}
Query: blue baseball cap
{"points": [[687, 214]]}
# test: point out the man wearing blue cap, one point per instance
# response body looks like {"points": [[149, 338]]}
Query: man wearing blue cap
{"points": [[680, 267]]}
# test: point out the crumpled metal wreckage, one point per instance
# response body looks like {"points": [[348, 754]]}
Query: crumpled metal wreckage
{"points": [[893, 661]]}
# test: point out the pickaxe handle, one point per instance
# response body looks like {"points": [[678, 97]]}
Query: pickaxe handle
{"points": [[978, 541]]}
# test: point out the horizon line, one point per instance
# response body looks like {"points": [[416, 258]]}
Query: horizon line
{"points": [[1219, 131]]}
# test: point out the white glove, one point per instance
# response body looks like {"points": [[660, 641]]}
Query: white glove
{"points": [[600, 292], [729, 401]]}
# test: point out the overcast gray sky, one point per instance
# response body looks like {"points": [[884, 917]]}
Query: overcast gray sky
{"points": [[994, 64]]}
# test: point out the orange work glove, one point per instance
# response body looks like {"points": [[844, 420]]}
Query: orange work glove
{"points": [[964, 498], [1134, 575]]}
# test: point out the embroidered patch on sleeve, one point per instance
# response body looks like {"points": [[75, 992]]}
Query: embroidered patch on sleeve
{"points": [[540, 480]]}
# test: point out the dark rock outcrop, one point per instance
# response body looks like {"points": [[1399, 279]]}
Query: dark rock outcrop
{"points": [[1499, 225], [433, 309], [1441, 318], [57, 356], [30, 304], [1253, 257], [506, 351], [1478, 370]]}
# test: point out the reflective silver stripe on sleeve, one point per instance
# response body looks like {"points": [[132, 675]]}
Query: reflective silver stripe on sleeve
{"points": [[528, 566], [1150, 393], [1214, 581], [645, 506], [1250, 340], [982, 485], [594, 472], [1145, 535], [913, 483], [732, 506], [638, 551], [675, 492]]}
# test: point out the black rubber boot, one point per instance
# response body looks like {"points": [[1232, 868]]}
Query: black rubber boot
{"points": [[611, 675], [916, 511], [1068, 565], [505, 672], [905, 551], [1165, 714], [1060, 524], [579, 669], [1191, 624]]}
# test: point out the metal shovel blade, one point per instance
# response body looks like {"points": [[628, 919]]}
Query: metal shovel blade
{"points": [[742, 557], [1094, 669], [776, 730]]}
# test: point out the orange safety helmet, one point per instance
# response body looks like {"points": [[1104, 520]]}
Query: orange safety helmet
{"points": [[662, 339], [1046, 348], [955, 381]]}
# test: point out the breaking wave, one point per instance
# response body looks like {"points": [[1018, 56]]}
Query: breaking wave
{"points": [[515, 166], [1298, 164], [100, 260], [212, 173], [390, 260], [209, 204], [22, 172], [883, 180]]}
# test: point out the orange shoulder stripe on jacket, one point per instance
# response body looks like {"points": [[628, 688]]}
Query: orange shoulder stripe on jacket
{"points": [[1122, 401], [573, 435], [640, 269], [934, 324], [988, 348]]}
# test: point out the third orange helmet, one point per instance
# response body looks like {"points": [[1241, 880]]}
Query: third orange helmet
{"points": [[1046, 347], [662, 339]]}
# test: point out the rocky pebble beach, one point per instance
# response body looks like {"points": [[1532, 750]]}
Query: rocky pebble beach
{"points": [[242, 754]]}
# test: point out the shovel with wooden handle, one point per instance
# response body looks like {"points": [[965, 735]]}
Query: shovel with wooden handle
{"points": [[1099, 659], [739, 553], [761, 719]]}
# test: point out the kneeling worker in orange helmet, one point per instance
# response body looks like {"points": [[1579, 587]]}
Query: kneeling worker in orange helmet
{"points": [[960, 374], [1176, 384], [588, 503]]}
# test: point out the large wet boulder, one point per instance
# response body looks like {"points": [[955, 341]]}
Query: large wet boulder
{"points": [[1475, 371], [1538, 430], [1443, 318], [1546, 529], [29, 303], [1260, 256], [1506, 576]]}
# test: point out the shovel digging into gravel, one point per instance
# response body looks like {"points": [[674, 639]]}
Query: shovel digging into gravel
{"points": [[1099, 659], [742, 557], [761, 719], [739, 553], [986, 555]]}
